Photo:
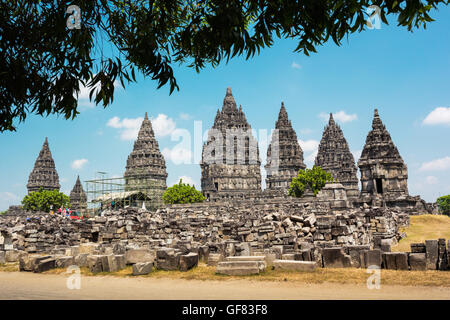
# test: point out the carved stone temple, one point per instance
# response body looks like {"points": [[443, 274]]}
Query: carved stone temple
{"points": [[230, 168], [383, 171], [44, 174], [335, 157], [78, 199], [146, 167], [284, 155], [230, 165]]}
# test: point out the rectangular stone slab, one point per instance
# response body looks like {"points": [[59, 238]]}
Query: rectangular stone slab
{"points": [[239, 271], [292, 265], [417, 261], [133, 256], [142, 268], [432, 247], [335, 258]]}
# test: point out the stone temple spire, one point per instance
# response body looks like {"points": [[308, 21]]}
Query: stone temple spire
{"points": [[284, 155], [230, 159], [44, 174], [146, 167], [78, 199], [335, 157], [382, 168]]}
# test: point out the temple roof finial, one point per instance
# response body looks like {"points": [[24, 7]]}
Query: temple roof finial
{"points": [[229, 91], [146, 116], [282, 115], [331, 121], [376, 123]]}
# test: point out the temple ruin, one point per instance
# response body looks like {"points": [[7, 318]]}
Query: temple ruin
{"points": [[383, 171], [240, 228], [230, 163], [335, 157], [44, 174], [284, 154], [146, 167], [78, 199]]}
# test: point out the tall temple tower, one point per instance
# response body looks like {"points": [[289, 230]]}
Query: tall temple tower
{"points": [[44, 174], [146, 167], [335, 157], [230, 163], [78, 199], [382, 168], [284, 155]]}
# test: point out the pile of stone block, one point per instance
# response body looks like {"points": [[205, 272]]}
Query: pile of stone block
{"points": [[262, 224]]}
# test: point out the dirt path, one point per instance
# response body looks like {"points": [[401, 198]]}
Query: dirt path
{"points": [[15, 285]]}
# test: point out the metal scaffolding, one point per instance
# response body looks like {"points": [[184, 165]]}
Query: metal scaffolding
{"points": [[140, 190]]}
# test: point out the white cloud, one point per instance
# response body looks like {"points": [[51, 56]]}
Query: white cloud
{"points": [[177, 155], [185, 116], [309, 145], [186, 179], [356, 154], [8, 199], [431, 180], [295, 65], [310, 148], [78, 164], [8, 196], [439, 115], [311, 158], [129, 128], [340, 116], [438, 165], [163, 125]]}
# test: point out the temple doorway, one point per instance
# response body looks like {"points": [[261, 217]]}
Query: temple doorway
{"points": [[379, 184]]}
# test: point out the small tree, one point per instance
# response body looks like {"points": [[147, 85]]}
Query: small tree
{"points": [[313, 179], [444, 204], [182, 193], [42, 200]]}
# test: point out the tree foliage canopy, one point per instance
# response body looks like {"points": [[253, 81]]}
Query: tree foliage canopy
{"points": [[43, 64], [444, 204], [313, 179], [182, 193], [42, 200]]}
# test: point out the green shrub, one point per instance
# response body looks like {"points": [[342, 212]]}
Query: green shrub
{"points": [[444, 204], [313, 179], [3, 212], [42, 200], [182, 193]]}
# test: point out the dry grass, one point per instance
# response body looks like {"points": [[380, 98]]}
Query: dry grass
{"points": [[424, 227], [338, 276], [9, 267]]}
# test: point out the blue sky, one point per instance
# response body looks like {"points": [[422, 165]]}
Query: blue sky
{"points": [[405, 75]]}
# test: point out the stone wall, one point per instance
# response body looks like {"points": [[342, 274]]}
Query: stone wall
{"points": [[260, 224]]}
